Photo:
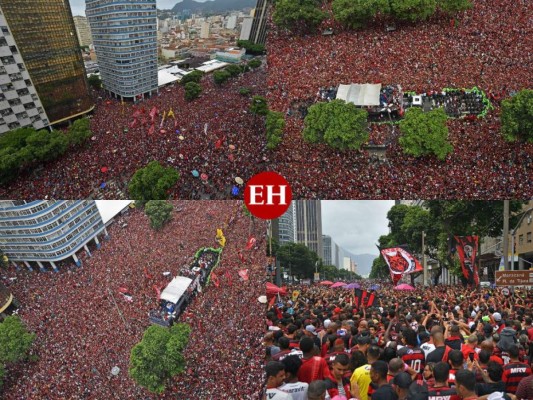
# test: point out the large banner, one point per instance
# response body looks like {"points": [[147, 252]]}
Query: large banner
{"points": [[467, 250], [400, 262]]}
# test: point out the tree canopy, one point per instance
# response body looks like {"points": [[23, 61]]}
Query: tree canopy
{"points": [[15, 340], [412, 10], [337, 123], [79, 131], [275, 123], [425, 133], [159, 212], [517, 116], [356, 13], [454, 6], [251, 47], [259, 105], [95, 81], [297, 258], [332, 272], [221, 76], [192, 90], [255, 63], [440, 220], [304, 15], [195, 76], [159, 356], [152, 182]]}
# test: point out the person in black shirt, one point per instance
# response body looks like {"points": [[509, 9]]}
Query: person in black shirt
{"points": [[401, 382], [436, 355], [378, 374], [492, 377]]}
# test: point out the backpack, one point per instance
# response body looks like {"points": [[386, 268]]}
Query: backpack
{"points": [[507, 338]]}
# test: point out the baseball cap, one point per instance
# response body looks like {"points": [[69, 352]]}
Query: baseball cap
{"points": [[311, 328]]}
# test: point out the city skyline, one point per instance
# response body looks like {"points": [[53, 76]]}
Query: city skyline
{"points": [[78, 6]]}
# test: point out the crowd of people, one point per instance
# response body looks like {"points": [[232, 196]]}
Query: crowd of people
{"points": [[86, 325], [485, 47], [442, 342], [218, 137]]}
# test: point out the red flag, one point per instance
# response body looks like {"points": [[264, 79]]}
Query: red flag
{"points": [[218, 144], [214, 279], [251, 243], [363, 297], [400, 262], [123, 289], [153, 113], [466, 250], [243, 273], [272, 301], [242, 257], [371, 299]]}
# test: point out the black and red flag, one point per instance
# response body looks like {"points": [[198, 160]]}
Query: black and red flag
{"points": [[467, 250], [400, 262]]}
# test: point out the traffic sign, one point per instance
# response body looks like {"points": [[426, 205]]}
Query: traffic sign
{"points": [[514, 278]]}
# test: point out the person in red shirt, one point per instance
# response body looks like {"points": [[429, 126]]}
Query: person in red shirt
{"points": [[341, 373], [455, 359], [469, 349], [515, 371], [338, 348], [313, 367]]}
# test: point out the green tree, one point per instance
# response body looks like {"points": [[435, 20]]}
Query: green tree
{"points": [[159, 212], [413, 10], [454, 6], [304, 15], [297, 258], [221, 76], [275, 123], [234, 69], [425, 133], [95, 81], [192, 91], [195, 76], [517, 117], [251, 48], [152, 182], [356, 14], [79, 132], [159, 356], [2, 375], [255, 63], [337, 123], [259, 105], [244, 91], [44, 145], [15, 340]]}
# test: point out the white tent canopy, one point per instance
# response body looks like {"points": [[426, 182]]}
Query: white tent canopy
{"points": [[164, 78], [360, 94], [109, 208], [175, 289], [212, 65]]}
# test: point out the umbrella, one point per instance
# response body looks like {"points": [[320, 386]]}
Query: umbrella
{"points": [[103, 185], [338, 284], [262, 299], [353, 286], [180, 137], [115, 370], [239, 180], [104, 169], [231, 147], [235, 191], [203, 177], [375, 286], [404, 286], [327, 283], [195, 173]]}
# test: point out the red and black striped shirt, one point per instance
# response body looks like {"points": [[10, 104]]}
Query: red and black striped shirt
{"points": [[513, 373]]}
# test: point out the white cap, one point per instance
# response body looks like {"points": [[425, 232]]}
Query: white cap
{"points": [[327, 323], [497, 316]]}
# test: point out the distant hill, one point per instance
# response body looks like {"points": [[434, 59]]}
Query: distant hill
{"points": [[213, 6], [364, 262]]}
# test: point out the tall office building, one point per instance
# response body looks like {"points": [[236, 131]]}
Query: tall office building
{"points": [[246, 28], [232, 22], [258, 32], [286, 226], [327, 246], [20, 105], [309, 224], [205, 30], [125, 40], [83, 30], [37, 232], [45, 37]]}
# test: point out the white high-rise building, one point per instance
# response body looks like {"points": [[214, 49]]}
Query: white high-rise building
{"points": [[205, 30], [232, 22], [83, 30], [125, 40], [246, 28]]}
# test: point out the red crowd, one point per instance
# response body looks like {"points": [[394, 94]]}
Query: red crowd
{"points": [[487, 46], [81, 334], [78, 174]]}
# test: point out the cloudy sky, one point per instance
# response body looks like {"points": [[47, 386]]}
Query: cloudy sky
{"points": [[356, 225], [78, 6]]}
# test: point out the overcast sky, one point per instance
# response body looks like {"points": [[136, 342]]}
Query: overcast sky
{"points": [[356, 225], [78, 6]]}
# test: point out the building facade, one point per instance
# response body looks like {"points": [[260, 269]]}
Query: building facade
{"points": [[45, 36], [20, 105], [309, 224], [286, 226], [125, 40], [83, 30], [327, 249], [37, 232], [246, 28], [258, 31], [523, 239]]}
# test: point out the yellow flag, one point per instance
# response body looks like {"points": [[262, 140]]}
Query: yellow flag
{"points": [[171, 114]]}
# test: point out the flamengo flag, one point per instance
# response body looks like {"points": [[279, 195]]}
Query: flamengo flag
{"points": [[243, 273], [467, 250], [371, 298], [400, 262], [250, 243]]}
